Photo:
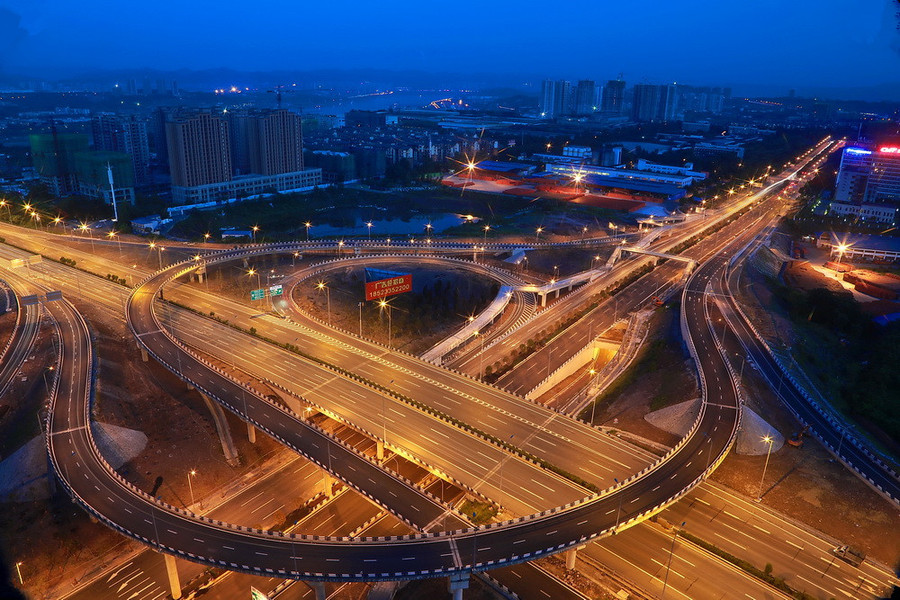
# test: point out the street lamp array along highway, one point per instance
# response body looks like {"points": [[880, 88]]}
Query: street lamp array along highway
{"points": [[768, 440], [321, 286]]}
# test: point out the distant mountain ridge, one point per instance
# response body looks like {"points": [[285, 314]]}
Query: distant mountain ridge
{"points": [[355, 79]]}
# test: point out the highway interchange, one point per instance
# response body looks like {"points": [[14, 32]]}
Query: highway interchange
{"points": [[714, 371]]}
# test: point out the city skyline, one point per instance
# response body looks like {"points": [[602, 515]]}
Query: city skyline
{"points": [[754, 45]]}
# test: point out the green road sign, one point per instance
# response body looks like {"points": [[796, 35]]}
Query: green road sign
{"points": [[276, 290], [257, 294]]}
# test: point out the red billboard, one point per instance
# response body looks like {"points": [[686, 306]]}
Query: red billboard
{"points": [[388, 287]]}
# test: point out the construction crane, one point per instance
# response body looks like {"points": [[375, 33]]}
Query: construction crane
{"points": [[278, 90]]}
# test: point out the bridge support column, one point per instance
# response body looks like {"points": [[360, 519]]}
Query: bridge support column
{"points": [[190, 387], [218, 415], [379, 450], [458, 583], [571, 554], [144, 356], [172, 572], [251, 433], [543, 299], [328, 484], [319, 588]]}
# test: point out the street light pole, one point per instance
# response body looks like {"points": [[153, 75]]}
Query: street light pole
{"points": [[669, 564], [321, 285], [191, 473], [769, 440], [384, 304], [308, 225], [19, 572], [360, 319]]}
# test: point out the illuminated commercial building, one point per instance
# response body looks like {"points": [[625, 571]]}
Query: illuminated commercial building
{"points": [[868, 184]]}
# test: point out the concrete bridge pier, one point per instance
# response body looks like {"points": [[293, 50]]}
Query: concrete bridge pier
{"points": [[224, 431], [458, 583], [251, 433], [319, 588], [379, 450], [328, 484], [571, 555], [144, 356], [172, 572]]}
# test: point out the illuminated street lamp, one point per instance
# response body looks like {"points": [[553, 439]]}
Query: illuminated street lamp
{"points": [[253, 272], [113, 235], [768, 440], [481, 356], [340, 248], [537, 233], [255, 228], [369, 225], [841, 249], [321, 286], [206, 236], [84, 227], [19, 572], [486, 229], [307, 225], [385, 304], [191, 474]]}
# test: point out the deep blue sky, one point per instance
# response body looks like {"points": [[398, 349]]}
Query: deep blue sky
{"points": [[794, 44]]}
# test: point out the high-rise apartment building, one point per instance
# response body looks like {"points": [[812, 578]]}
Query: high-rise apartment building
{"points": [[126, 134], [245, 153], [586, 101], [198, 148], [613, 101], [645, 105], [53, 156], [556, 98], [267, 142], [654, 102], [276, 142]]}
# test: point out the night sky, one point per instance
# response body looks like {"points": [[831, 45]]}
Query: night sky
{"points": [[795, 44]]}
